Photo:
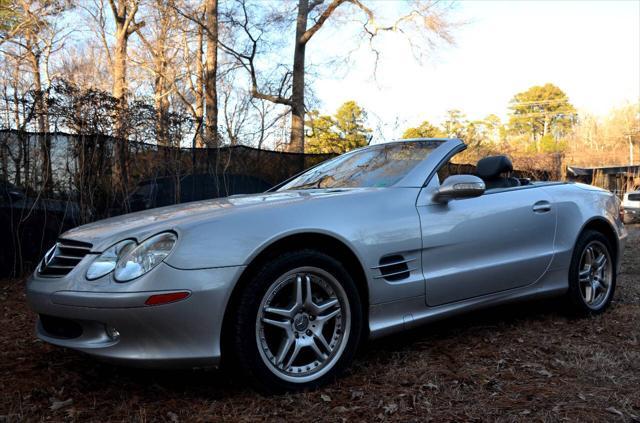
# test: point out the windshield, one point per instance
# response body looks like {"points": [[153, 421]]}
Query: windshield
{"points": [[376, 166]]}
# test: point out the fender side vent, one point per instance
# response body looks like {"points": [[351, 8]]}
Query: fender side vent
{"points": [[394, 268]]}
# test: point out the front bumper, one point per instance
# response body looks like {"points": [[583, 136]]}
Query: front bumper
{"points": [[185, 333]]}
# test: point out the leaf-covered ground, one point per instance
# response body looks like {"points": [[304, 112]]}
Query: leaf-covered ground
{"points": [[513, 363]]}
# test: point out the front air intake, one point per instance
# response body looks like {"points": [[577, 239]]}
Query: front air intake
{"points": [[394, 268], [58, 327], [62, 258]]}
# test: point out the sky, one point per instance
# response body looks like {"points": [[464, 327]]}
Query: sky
{"points": [[590, 49]]}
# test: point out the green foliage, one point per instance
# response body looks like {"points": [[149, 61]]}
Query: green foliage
{"points": [[542, 119], [424, 130], [494, 129], [548, 144], [343, 131], [28, 18], [540, 111], [8, 17], [473, 133], [455, 125]]}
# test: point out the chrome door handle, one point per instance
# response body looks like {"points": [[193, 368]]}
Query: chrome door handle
{"points": [[542, 207]]}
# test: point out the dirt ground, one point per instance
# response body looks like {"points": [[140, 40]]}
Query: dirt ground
{"points": [[528, 361]]}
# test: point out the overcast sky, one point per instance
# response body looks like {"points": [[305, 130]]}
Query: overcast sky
{"points": [[589, 49]]}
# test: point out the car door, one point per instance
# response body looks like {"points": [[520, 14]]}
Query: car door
{"points": [[477, 246]]}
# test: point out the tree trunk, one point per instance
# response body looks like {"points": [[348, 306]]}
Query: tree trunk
{"points": [[157, 105], [199, 92], [120, 65], [161, 101], [6, 153], [43, 136], [210, 74], [161, 67], [119, 93], [16, 102], [16, 113], [296, 142]]}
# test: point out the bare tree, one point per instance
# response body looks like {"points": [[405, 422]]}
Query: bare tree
{"points": [[161, 44], [188, 84], [206, 18], [425, 19], [85, 66], [210, 71], [34, 38], [235, 111], [198, 89], [124, 15]]}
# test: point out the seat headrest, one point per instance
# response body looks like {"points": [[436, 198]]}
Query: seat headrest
{"points": [[493, 166]]}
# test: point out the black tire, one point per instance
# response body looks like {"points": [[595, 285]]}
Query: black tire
{"points": [[245, 343], [575, 296]]}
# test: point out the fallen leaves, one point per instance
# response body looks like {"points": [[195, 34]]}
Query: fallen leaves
{"points": [[615, 411], [56, 405], [519, 363], [390, 408]]}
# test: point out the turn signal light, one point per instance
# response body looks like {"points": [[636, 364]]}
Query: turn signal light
{"points": [[170, 297]]}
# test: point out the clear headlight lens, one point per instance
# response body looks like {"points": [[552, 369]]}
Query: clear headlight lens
{"points": [[144, 257], [106, 262]]}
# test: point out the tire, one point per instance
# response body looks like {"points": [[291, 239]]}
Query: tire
{"points": [[592, 282], [287, 340]]}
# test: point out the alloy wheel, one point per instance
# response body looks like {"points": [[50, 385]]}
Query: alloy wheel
{"points": [[303, 324], [595, 275]]}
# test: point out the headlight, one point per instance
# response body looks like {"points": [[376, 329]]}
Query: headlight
{"points": [[106, 262], [144, 257]]}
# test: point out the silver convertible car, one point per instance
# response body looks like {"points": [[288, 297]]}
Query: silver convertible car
{"points": [[286, 284]]}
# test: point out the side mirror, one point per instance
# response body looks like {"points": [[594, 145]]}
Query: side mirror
{"points": [[458, 187]]}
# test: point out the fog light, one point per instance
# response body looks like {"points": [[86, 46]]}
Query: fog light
{"points": [[112, 333]]}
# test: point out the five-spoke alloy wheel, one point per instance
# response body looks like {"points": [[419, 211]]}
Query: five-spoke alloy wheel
{"points": [[303, 324], [592, 276], [595, 274], [299, 321]]}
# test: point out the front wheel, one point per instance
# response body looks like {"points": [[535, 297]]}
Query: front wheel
{"points": [[299, 321], [592, 275]]}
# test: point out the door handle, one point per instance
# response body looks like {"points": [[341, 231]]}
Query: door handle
{"points": [[542, 207]]}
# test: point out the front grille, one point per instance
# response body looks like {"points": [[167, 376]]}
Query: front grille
{"points": [[59, 327], [63, 257]]}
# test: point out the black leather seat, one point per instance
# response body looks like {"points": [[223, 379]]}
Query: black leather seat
{"points": [[491, 170]]}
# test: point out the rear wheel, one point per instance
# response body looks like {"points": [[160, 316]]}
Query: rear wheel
{"points": [[298, 322], [592, 277]]}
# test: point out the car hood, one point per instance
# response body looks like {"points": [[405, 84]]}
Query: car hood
{"points": [[140, 225]]}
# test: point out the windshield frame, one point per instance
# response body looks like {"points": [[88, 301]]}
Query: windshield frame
{"points": [[415, 177]]}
